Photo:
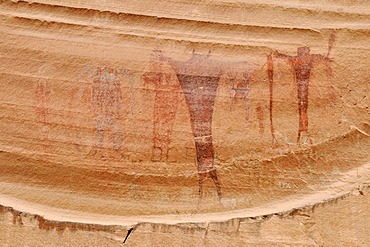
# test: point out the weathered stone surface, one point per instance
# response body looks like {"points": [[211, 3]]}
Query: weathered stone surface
{"points": [[207, 120], [338, 222]]}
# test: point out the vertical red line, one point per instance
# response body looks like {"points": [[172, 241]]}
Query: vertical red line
{"points": [[270, 72]]}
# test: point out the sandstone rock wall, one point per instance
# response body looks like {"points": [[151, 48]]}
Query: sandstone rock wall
{"points": [[155, 108]]}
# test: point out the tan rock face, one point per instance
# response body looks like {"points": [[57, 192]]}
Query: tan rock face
{"points": [[337, 222], [183, 107]]}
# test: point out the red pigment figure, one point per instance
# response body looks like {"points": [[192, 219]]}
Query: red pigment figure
{"points": [[270, 72], [241, 90], [42, 98], [302, 65], [261, 118], [199, 78], [167, 88]]}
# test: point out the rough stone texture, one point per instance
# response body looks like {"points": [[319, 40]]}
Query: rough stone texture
{"points": [[337, 222], [215, 123]]}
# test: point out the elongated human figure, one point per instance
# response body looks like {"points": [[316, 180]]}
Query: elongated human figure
{"points": [[199, 78], [42, 98], [104, 97], [106, 100], [241, 90], [42, 104], [302, 65], [167, 89]]}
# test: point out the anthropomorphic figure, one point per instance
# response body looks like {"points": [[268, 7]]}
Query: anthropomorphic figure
{"points": [[106, 101], [302, 65], [42, 104], [99, 88], [240, 89], [42, 98], [199, 77], [260, 113], [167, 89]]}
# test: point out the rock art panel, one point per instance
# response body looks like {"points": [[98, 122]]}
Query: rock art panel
{"points": [[198, 78], [208, 111]]}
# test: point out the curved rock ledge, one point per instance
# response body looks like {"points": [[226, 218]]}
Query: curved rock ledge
{"points": [[235, 225]]}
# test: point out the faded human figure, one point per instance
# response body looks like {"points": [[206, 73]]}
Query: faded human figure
{"points": [[167, 88], [42, 104], [260, 113], [42, 100], [240, 89], [100, 89], [106, 99], [302, 64]]}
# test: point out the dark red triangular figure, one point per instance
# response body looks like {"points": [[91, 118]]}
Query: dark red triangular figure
{"points": [[199, 78]]}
